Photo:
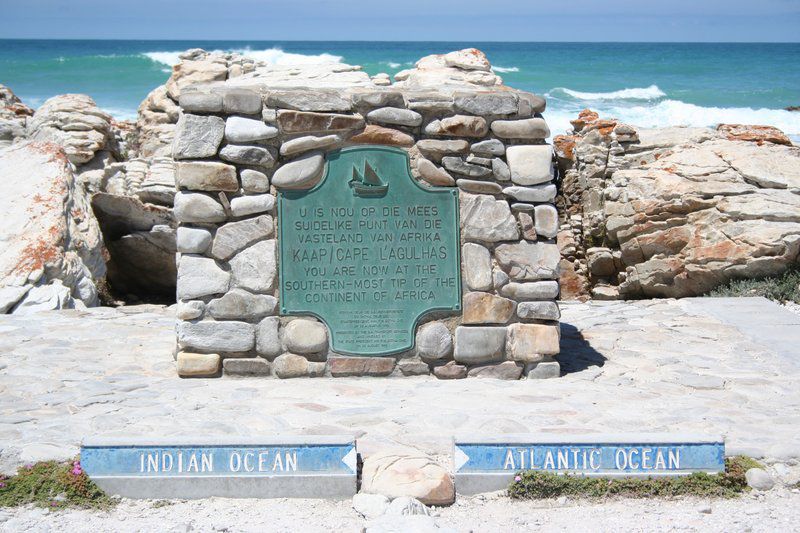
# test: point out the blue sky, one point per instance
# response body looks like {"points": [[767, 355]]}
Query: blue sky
{"points": [[405, 20]]}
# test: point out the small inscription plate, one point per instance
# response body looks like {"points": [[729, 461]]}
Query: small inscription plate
{"points": [[304, 467], [490, 464], [369, 251]]}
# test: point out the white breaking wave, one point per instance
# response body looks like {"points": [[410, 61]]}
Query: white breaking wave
{"points": [[270, 56], [121, 113], [637, 93], [392, 64], [505, 69]]}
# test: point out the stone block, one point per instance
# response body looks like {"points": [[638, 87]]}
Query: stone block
{"points": [[479, 345], [543, 370], [305, 336], [301, 173], [371, 98], [530, 165], [488, 148], [436, 149], [525, 261], [268, 341], [245, 366], [450, 370], [527, 226], [240, 304], [429, 101], [538, 311], [190, 310], [505, 370], [200, 102], [434, 175], [206, 176], [477, 267], [195, 207], [483, 218], [197, 365], [212, 336], [395, 116], [236, 236], [397, 473], [251, 205], [478, 187], [308, 142], [486, 308], [370, 505], [290, 365], [260, 156], [360, 366], [536, 193], [255, 267], [192, 240], [307, 122], [458, 126], [197, 136], [254, 181], [200, 276], [536, 290], [486, 103], [241, 102], [459, 166], [315, 99], [546, 220], [413, 368], [528, 128], [245, 130], [434, 341], [374, 134], [500, 170], [530, 343]]}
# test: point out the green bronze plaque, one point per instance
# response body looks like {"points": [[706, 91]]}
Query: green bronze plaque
{"points": [[369, 251]]}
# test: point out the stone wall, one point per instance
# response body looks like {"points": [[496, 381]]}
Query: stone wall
{"points": [[239, 142]]}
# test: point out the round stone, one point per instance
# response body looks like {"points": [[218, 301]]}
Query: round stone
{"points": [[305, 336], [434, 341]]}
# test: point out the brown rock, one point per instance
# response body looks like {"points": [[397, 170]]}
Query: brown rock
{"points": [[305, 122], [527, 226], [197, 365], [459, 126], [434, 175], [753, 133], [407, 473], [436, 149], [373, 134], [361, 366], [504, 370], [529, 343], [206, 176], [414, 368], [451, 370], [486, 308]]}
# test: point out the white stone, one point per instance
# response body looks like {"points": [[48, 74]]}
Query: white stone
{"points": [[529, 128], [478, 345], [759, 479], [370, 505], [211, 336], [190, 310], [198, 208], [397, 473], [309, 142], [200, 276], [235, 236], [255, 267], [546, 218], [477, 263], [395, 116], [192, 240], [197, 136], [537, 193], [500, 170], [536, 290], [254, 181], [485, 219], [305, 336], [250, 205], [268, 342], [238, 303], [248, 155], [538, 310], [530, 165], [407, 506], [525, 261], [241, 130], [49, 297], [301, 173], [434, 341]]}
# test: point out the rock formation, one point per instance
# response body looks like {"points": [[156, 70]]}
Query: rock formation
{"points": [[674, 212], [14, 117]]}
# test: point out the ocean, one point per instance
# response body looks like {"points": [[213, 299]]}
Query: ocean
{"points": [[647, 84]]}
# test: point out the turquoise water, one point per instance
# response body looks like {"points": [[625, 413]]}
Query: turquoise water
{"points": [[649, 84]]}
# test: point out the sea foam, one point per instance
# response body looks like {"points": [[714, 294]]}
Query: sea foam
{"points": [[636, 93], [270, 56], [505, 69]]}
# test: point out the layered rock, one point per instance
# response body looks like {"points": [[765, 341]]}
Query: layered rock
{"points": [[674, 212], [14, 116]]}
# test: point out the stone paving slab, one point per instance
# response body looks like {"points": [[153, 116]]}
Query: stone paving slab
{"points": [[654, 366]]}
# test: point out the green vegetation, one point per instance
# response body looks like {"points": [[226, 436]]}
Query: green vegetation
{"points": [[729, 484], [783, 288], [52, 484]]}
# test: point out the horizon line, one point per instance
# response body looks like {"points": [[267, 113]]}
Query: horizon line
{"points": [[383, 41]]}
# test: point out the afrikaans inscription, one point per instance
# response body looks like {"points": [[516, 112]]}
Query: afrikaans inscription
{"points": [[369, 251]]}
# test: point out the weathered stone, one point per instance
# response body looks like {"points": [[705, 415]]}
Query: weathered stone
{"points": [[486, 308], [361, 366], [752, 133], [197, 365], [537, 193], [488, 148], [244, 130], [528, 128], [759, 479], [407, 473], [245, 366], [395, 116], [436, 149], [290, 365], [206, 176], [374, 134], [212, 336], [479, 345], [434, 341], [235, 236], [546, 220], [305, 336], [255, 267], [302, 122], [505, 370], [316, 369], [268, 342], [197, 136], [485, 219], [477, 267], [370, 98], [309, 100], [254, 181], [483, 161], [241, 304], [534, 103], [195, 207], [530, 165], [308, 142], [200, 102], [486, 103], [538, 310], [370, 505], [529, 343], [413, 368], [458, 126], [405, 506], [248, 155], [450, 370], [543, 370], [526, 261], [518, 207], [500, 170], [192, 240], [241, 102], [301, 173], [600, 262], [459, 166], [200, 276], [434, 175], [250, 205], [527, 226], [429, 101], [190, 310]]}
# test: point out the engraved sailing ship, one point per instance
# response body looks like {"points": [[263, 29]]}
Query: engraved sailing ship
{"points": [[368, 184]]}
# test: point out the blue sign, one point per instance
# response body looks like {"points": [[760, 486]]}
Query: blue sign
{"points": [[592, 455]]}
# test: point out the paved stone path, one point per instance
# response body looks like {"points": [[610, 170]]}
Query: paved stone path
{"points": [[660, 365]]}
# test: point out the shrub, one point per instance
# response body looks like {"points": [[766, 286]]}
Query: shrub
{"points": [[52, 484], [783, 288]]}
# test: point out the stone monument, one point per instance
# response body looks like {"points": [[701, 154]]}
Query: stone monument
{"points": [[333, 224]]}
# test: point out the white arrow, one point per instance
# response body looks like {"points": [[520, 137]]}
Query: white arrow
{"points": [[459, 458], [350, 460]]}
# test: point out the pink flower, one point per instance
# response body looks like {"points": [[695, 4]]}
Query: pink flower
{"points": [[2, 485], [29, 466], [518, 478], [77, 471]]}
